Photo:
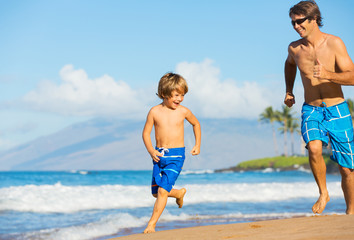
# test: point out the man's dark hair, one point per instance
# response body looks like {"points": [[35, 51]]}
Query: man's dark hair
{"points": [[309, 9]]}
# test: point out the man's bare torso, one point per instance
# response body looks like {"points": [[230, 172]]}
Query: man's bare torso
{"points": [[305, 55]]}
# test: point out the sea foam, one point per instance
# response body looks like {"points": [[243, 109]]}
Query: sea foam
{"points": [[58, 198], [112, 224], [106, 226]]}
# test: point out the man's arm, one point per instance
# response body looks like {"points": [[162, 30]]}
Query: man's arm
{"points": [[344, 69], [290, 74]]}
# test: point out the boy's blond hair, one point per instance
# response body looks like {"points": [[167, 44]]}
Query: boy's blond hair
{"points": [[171, 82]]}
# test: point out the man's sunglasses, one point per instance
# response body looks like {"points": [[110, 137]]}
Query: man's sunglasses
{"points": [[299, 21]]}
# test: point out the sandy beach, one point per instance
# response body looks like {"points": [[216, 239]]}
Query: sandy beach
{"points": [[309, 228]]}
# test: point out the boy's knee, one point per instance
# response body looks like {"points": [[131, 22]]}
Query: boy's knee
{"points": [[162, 192]]}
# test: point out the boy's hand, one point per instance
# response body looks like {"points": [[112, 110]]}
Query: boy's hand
{"points": [[155, 155], [195, 150]]}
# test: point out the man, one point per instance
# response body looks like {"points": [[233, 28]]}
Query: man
{"points": [[324, 66]]}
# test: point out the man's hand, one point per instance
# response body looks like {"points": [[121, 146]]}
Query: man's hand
{"points": [[289, 99], [319, 71]]}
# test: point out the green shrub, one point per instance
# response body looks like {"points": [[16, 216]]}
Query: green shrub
{"points": [[279, 162]]}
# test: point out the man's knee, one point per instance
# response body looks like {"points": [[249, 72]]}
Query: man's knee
{"points": [[346, 172], [315, 148]]}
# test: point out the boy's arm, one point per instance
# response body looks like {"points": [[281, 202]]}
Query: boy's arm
{"points": [[197, 132], [147, 138]]}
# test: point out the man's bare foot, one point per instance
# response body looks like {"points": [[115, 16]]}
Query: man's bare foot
{"points": [[321, 203], [179, 200], [349, 212], [149, 229]]}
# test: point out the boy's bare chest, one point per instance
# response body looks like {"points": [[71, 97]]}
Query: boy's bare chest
{"points": [[170, 121]]}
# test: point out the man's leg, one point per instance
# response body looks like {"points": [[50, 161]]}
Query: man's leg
{"points": [[318, 168], [348, 187], [160, 204]]}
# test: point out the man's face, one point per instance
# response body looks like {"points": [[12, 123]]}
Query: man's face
{"points": [[302, 25]]}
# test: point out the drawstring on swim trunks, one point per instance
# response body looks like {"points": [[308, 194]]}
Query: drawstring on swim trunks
{"points": [[163, 150], [327, 114]]}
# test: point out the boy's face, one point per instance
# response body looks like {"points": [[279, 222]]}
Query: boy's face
{"points": [[174, 101]]}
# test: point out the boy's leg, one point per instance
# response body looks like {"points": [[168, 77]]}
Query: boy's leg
{"points": [[160, 204], [348, 188], [179, 195], [176, 193], [318, 168]]}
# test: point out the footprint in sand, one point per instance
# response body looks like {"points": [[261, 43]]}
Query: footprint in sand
{"points": [[256, 226]]}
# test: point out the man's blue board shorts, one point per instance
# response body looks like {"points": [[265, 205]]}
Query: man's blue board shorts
{"points": [[332, 123], [166, 171]]}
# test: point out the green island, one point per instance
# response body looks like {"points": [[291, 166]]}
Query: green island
{"points": [[281, 163]]}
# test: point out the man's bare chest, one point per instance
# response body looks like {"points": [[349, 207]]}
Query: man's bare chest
{"points": [[306, 58]]}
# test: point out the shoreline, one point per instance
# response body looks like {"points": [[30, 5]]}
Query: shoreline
{"points": [[324, 227]]}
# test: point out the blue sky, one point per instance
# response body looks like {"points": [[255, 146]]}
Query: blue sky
{"points": [[64, 62]]}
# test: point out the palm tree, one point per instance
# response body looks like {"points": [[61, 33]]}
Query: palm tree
{"points": [[283, 117], [269, 116], [293, 126]]}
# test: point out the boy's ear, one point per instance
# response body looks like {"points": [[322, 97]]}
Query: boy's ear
{"points": [[163, 97]]}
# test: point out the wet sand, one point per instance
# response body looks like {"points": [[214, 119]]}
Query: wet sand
{"points": [[330, 227]]}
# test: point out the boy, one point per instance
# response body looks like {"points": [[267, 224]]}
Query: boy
{"points": [[169, 154]]}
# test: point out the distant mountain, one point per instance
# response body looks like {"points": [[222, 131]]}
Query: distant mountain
{"points": [[112, 144], [95, 144]]}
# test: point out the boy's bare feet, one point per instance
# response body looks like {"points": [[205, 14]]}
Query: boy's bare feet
{"points": [[149, 229], [179, 200], [321, 203]]}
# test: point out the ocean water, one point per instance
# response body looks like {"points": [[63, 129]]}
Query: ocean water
{"points": [[104, 204]]}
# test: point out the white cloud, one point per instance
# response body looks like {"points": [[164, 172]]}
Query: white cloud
{"points": [[211, 97], [80, 96]]}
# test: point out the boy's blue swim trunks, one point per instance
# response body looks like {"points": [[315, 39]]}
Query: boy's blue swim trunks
{"points": [[334, 123], [166, 171]]}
